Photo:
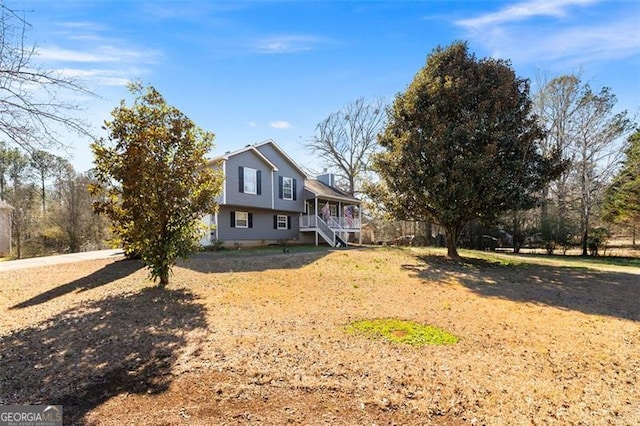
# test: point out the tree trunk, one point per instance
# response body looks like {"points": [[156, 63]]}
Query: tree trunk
{"points": [[164, 277], [44, 209], [585, 237], [18, 236], [452, 234]]}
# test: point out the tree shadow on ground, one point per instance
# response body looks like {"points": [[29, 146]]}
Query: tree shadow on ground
{"points": [[586, 290], [108, 274], [86, 355], [253, 260]]}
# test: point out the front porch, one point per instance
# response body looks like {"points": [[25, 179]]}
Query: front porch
{"points": [[308, 222], [330, 213], [337, 222]]}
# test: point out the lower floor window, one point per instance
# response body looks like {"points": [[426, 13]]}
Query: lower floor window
{"points": [[242, 220], [282, 222]]}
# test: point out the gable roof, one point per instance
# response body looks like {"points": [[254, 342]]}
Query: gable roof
{"points": [[230, 154], [322, 190], [254, 147], [284, 154]]}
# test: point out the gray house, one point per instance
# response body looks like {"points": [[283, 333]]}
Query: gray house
{"points": [[5, 228], [268, 199]]}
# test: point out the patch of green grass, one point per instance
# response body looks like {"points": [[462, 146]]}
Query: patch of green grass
{"points": [[401, 331]]}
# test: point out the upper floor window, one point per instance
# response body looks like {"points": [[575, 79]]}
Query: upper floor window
{"points": [[286, 188], [249, 180]]}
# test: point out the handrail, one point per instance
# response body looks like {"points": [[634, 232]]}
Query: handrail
{"points": [[339, 223], [326, 231], [333, 231]]}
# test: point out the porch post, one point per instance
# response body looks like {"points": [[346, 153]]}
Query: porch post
{"points": [[217, 227], [359, 224], [315, 218]]}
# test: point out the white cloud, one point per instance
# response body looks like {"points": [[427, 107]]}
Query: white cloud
{"points": [[578, 44], [252, 124], [523, 11], [104, 53], [88, 52], [57, 54], [280, 124], [102, 77], [286, 44], [568, 37]]}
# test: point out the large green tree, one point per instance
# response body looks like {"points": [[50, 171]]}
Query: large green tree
{"points": [[622, 198], [153, 180], [461, 144]]}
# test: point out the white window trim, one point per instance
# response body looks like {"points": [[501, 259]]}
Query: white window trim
{"points": [[285, 219], [254, 180], [246, 219], [284, 188]]}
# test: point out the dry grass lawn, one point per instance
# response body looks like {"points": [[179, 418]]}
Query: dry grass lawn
{"points": [[253, 338]]}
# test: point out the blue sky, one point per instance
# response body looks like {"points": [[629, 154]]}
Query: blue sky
{"points": [[255, 70]]}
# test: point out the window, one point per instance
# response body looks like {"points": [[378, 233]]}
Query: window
{"points": [[282, 221], [287, 188], [333, 209], [242, 220], [249, 180]]}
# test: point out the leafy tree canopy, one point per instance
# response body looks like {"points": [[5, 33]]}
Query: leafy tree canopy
{"points": [[461, 144], [153, 181], [622, 198]]}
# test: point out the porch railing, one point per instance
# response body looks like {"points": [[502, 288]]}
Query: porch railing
{"points": [[335, 223]]}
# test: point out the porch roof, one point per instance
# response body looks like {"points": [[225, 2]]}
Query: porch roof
{"points": [[321, 190]]}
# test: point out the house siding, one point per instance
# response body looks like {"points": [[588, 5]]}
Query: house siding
{"points": [[285, 169], [233, 195], [263, 207], [262, 229], [5, 232]]}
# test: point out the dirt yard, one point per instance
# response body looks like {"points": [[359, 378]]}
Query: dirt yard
{"points": [[259, 338]]}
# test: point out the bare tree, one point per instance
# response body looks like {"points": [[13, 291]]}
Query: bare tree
{"points": [[46, 165], [21, 194], [73, 211], [582, 127], [596, 156], [346, 139], [33, 109], [556, 106]]}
